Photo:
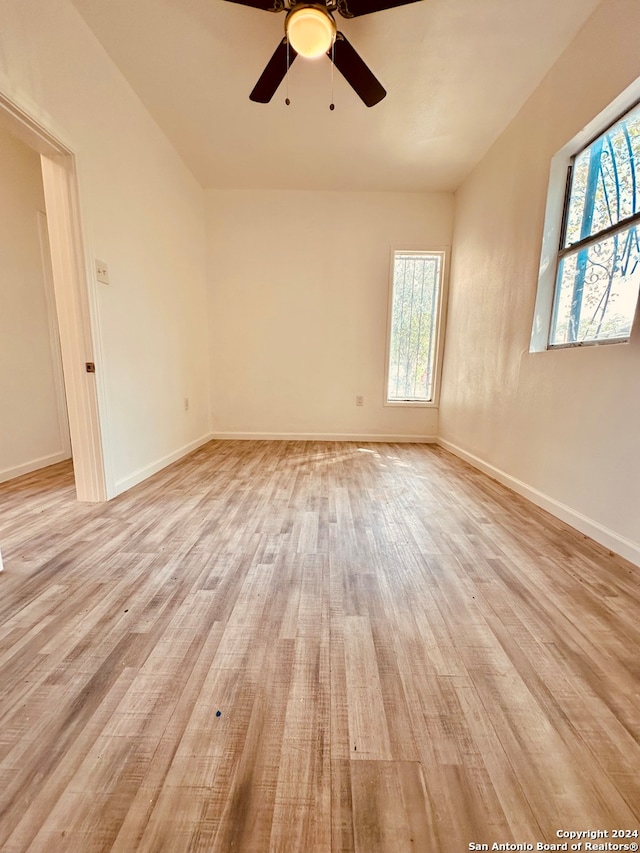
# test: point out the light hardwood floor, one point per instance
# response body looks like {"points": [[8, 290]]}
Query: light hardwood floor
{"points": [[404, 656]]}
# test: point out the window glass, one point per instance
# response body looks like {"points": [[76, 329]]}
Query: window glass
{"points": [[599, 260], [598, 290], [415, 305], [605, 186]]}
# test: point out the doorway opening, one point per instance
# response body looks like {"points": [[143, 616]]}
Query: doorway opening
{"points": [[72, 309]]}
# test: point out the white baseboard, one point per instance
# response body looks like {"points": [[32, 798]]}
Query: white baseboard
{"points": [[33, 465], [594, 530], [143, 473], [324, 436]]}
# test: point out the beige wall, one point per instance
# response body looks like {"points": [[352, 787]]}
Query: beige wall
{"points": [[33, 432], [562, 427], [298, 293], [142, 213]]}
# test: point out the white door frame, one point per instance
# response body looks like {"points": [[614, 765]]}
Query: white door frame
{"points": [[71, 296], [54, 334]]}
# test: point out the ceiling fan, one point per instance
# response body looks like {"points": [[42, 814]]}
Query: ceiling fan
{"points": [[310, 31]]}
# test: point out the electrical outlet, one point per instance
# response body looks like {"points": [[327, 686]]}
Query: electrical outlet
{"points": [[359, 400], [186, 404], [102, 273]]}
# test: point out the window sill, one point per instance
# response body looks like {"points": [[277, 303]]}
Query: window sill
{"points": [[411, 404], [602, 343]]}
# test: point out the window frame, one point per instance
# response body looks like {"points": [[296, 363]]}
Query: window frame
{"points": [[440, 320], [556, 212]]}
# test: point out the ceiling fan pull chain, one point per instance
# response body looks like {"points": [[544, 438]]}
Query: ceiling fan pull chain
{"points": [[332, 106], [286, 100]]}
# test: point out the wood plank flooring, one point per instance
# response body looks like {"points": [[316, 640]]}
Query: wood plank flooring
{"points": [[310, 648]]}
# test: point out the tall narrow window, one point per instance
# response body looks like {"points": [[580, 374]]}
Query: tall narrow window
{"points": [[599, 259], [416, 305]]}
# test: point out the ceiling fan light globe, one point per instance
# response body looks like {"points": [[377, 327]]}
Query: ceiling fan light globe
{"points": [[310, 32]]}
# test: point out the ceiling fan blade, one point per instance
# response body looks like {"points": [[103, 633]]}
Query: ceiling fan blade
{"points": [[273, 74], [356, 8], [265, 5], [355, 71]]}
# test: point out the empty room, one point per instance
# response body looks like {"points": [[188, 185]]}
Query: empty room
{"points": [[319, 426]]}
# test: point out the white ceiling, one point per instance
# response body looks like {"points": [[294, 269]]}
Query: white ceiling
{"points": [[455, 71]]}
